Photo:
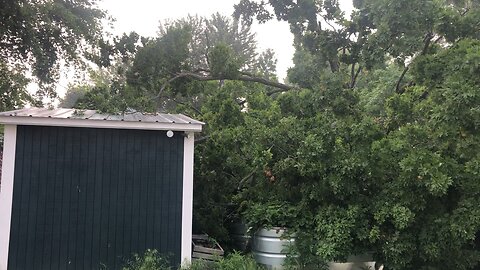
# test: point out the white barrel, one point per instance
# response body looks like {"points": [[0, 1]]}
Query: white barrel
{"points": [[354, 262]]}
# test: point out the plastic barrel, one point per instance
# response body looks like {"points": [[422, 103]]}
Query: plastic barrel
{"points": [[240, 237], [354, 262]]}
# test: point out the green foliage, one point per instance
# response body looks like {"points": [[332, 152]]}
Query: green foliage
{"points": [[208, 32], [150, 260], [223, 62], [159, 58], [376, 87], [72, 96], [368, 167], [305, 72], [270, 214], [114, 99], [13, 92], [267, 64], [426, 156], [172, 72], [153, 260], [236, 261], [38, 34], [224, 160]]}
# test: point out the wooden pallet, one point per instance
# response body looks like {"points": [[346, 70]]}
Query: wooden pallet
{"points": [[206, 248]]}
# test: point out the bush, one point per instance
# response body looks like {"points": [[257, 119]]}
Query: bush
{"points": [[236, 261], [150, 260]]}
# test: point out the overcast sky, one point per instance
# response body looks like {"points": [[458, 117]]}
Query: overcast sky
{"points": [[143, 17]]}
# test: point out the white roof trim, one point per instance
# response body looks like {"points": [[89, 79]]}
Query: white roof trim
{"points": [[89, 123]]}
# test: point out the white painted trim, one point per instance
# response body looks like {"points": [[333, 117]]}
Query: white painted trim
{"points": [[89, 123], [6, 191], [187, 199]]}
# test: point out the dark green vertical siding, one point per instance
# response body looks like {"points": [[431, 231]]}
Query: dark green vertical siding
{"points": [[89, 198]]}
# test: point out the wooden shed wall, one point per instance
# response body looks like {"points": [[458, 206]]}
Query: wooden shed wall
{"points": [[86, 198]]}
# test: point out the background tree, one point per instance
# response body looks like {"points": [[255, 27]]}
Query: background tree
{"points": [[40, 36], [214, 49], [13, 86], [171, 69], [107, 89], [376, 32]]}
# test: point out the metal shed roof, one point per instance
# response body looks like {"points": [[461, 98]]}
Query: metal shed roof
{"points": [[91, 118]]}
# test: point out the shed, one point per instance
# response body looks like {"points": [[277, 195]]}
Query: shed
{"points": [[85, 190]]}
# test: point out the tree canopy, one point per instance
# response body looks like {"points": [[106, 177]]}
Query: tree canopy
{"points": [[40, 36], [376, 32], [376, 153], [171, 69]]}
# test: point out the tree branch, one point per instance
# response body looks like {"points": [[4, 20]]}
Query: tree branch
{"points": [[246, 77], [244, 179], [165, 85], [428, 41], [183, 103], [328, 22], [201, 139], [284, 87], [208, 48], [399, 81], [355, 77], [352, 74]]}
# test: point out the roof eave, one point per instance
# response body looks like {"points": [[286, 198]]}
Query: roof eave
{"points": [[89, 123]]}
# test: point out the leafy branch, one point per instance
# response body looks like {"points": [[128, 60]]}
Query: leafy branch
{"points": [[426, 46], [205, 75]]}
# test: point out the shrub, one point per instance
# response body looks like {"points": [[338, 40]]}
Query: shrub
{"points": [[236, 261], [150, 260]]}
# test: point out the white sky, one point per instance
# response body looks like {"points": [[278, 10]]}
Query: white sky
{"points": [[143, 17]]}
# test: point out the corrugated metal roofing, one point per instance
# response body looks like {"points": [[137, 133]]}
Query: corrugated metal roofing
{"points": [[94, 115]]}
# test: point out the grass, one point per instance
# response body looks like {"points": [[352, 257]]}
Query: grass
{"points": [[153, 260]]}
